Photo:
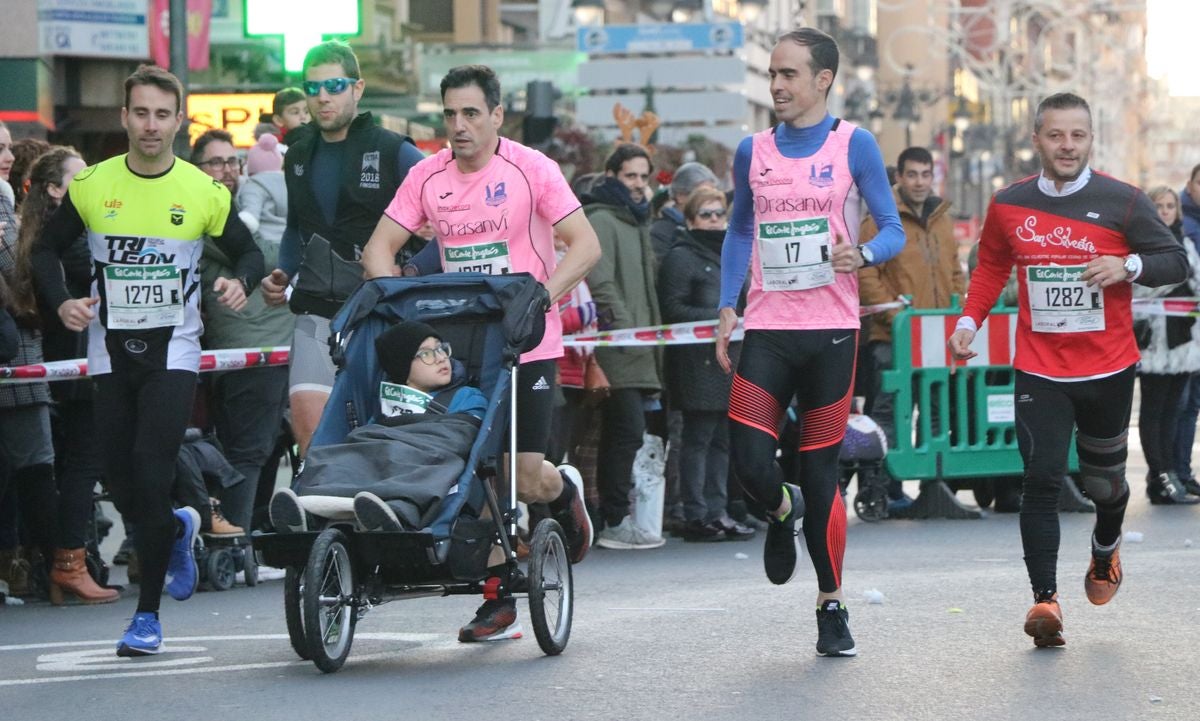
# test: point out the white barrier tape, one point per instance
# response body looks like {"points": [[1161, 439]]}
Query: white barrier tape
{"points": [[1177, 307], [704, 331], [215, 360]]}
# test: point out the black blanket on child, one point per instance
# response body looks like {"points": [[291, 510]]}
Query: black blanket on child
{"points": [[411, 463]]}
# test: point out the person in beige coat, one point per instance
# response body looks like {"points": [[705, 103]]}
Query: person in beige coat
{"points": [[927, 271]]}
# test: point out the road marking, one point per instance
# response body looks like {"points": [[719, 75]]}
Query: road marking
{"points": [[96, 659], [102, 663]]}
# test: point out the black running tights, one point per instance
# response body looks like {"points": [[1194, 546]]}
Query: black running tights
{"points": [[1047, 412], [817, 367], [141, 416]]}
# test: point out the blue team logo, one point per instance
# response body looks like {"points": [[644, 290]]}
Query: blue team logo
{"points": [[495, 196], [822, 179]]}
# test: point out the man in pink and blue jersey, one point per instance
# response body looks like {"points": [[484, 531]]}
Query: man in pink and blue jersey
{"points": [[496, 206], [795, 223]]}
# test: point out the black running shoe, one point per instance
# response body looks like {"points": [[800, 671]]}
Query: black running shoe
{"points": [[833, 630], [494, 621], [573, 516], [782, 547]]}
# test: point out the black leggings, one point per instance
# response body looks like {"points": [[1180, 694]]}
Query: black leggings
{"points": [[1047, 412], [141, 416], [1158, 419], [817, 367], [79, 467]]}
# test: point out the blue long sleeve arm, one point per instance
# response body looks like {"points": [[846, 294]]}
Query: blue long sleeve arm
{"points": [[870, 175], [739, 236]]}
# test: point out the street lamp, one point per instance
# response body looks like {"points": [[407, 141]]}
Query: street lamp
{"points": [[907, 101], [588, 12]]}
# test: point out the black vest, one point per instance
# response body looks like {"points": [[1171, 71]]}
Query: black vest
{"points": [[329, 267]]}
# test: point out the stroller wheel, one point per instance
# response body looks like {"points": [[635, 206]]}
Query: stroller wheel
{"points": [[293, 591], [221, 570], [870, 504], [249, 565], [551, 588], [329, 602]]}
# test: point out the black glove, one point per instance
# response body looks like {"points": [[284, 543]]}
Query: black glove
{"points": [[542, 298]]}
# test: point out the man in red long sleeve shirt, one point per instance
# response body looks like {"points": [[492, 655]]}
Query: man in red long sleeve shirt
{"points": [[1078, 240]]}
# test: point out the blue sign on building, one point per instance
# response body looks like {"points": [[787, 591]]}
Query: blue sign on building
{"points": [[659, 38]]}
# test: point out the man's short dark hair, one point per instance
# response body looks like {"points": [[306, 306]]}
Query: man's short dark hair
{"points": [[822, 48], [153, 75], [481, 76], [1195, 170], [333, 52], [1059, 101], [209, 136], [913, 155], [623, 154], [286, 97]]}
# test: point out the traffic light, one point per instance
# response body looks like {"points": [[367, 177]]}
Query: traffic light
{"points": [[540, 122]]}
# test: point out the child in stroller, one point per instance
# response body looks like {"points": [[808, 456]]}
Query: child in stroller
{"points": [[422, 382]]}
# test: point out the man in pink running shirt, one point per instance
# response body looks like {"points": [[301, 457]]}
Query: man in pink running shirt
{"points": [[496, 206]]}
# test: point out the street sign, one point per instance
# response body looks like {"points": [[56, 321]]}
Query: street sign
{"points": [[659, 38], [663, 73], [672, 108], [92, 28]]}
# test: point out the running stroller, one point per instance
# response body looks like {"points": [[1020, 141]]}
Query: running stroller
{"points": [[335, 575]]}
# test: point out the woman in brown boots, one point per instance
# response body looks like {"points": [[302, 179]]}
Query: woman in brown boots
{"points": [[64, 512]]}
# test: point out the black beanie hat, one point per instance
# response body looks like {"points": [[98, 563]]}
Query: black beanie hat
{"points": [[398, 345]]}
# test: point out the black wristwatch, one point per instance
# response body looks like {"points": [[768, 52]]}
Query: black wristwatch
{"points": [[865, 255]]}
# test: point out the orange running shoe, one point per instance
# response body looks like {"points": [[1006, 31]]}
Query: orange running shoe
{"points": [[1103, 578], [1044, 622]]}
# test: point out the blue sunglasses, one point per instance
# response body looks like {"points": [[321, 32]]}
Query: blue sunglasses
{"points": [[333, 86]]}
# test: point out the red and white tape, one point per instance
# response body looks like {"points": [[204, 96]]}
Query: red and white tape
{"points": [[703, 331], [216, 360], [1179, 307], [233, 359]]}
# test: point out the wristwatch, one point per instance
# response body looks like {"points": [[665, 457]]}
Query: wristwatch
{"points": [[865, 253], [1133, 265]]}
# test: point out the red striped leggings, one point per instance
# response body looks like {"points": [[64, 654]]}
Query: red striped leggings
{"points": [[817, 368]]}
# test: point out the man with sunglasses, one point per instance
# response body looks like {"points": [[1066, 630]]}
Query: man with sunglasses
{"points": [[248, 404], [496, 206], [340, 178]]}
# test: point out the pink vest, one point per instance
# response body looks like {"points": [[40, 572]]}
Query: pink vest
{"points": [[792, 196]]}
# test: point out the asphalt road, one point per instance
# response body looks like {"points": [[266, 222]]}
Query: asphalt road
{"points": [[687, 631]]}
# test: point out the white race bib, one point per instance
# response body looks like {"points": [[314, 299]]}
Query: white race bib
{"points": [[490, 258], [1060, 301], [140, 297], [795, 254], [399, 400]]}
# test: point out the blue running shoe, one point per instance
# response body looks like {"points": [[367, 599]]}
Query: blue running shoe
{"points": [[143, 637], [182, 575]]}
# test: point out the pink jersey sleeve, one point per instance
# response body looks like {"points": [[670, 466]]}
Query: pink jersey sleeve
{"points": [[555, 200], [407, 207]]}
